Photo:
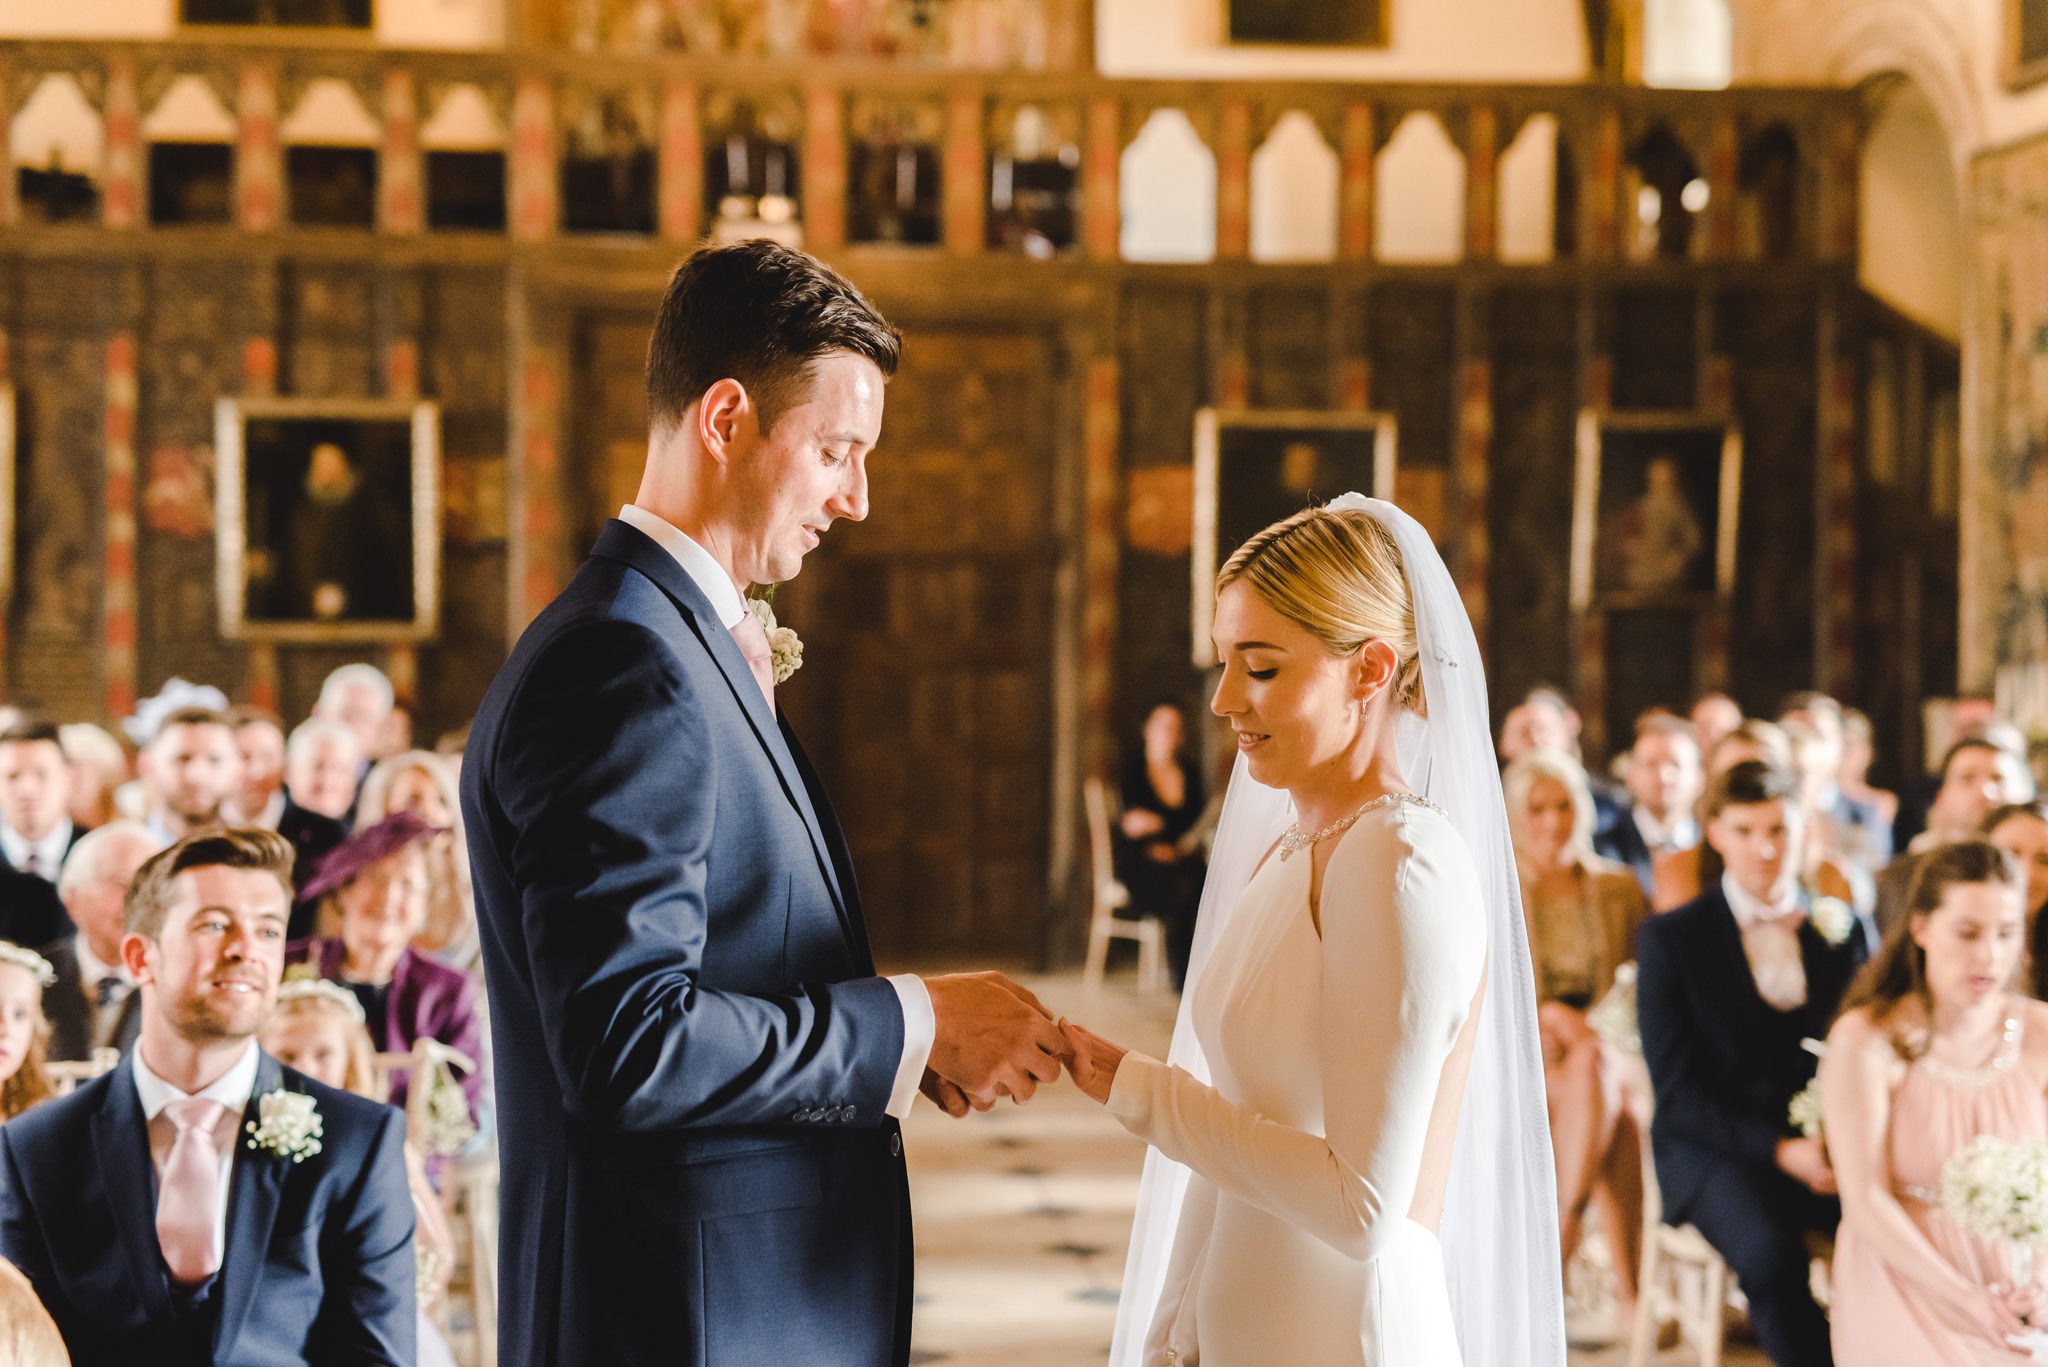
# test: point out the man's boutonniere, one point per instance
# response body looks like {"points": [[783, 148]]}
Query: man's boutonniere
{"points": [[785, 647], [287, 1124], [1832, 917]]}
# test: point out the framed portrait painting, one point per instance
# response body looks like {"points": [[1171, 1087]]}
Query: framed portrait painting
{"points": [[1654, 508], [328, 520], [2026, 43], [1254, 467]]}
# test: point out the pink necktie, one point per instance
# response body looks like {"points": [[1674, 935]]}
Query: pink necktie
{"points": [[185, 1207], [752, 639]]}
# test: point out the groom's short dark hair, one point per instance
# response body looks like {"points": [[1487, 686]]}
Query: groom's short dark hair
{"points": [[149, 896], [759, 313]]}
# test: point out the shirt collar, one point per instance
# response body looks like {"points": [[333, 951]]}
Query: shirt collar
{"points": [[91, 967], [1748, 910], [1681, 834], [51, 848], [705, 572], [231, 1089]]}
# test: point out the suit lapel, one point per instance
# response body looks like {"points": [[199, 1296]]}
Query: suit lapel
{"points": [[633, 548], [120, 1139], [851, 919], [254, 1185]]}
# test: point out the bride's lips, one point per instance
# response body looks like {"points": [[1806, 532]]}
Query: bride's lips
{"points": [[1251, 740]]}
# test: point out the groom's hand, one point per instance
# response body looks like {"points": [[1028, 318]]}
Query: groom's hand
{"points": [[949, 1098], [993, 1038]]}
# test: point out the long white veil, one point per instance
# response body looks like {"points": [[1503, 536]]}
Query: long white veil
{"points": [[1499, 1230]]}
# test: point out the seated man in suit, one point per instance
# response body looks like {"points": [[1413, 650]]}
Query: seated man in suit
{"points": [[1727, 987], [177, 1210], [36, 830], [1978, 776], [1663, 785], [93, 1004], [1861, 833]]}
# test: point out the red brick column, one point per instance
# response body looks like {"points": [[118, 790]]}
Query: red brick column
{"points": [[537, 534], [401, 173], [536, 193], [824, 167], [121, 191], [1102, 490], [259, 157], [1234, 181], [964, 184], [1360, 148], [681, 158], [1600, 191], [117, 644], [1474, 475], [1724, 161], [1482, 185], [1101, 181]]}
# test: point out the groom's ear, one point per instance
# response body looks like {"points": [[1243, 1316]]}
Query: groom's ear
{"points": [[722, 415]]}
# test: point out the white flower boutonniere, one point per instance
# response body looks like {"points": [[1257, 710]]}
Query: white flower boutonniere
{"points": [[786, 648], [1832, 917], [288, 1125]]}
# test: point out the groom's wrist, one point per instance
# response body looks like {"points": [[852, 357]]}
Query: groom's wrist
{"points": [[920, 1030]]}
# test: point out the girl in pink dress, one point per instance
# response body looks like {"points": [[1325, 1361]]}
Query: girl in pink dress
{"points": [[1935, 1046]]}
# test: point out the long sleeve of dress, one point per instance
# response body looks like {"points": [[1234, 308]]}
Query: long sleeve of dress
{"points": [[1403, 951]]}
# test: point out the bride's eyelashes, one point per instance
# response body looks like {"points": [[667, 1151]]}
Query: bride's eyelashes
{"points": [[1262, 674]]}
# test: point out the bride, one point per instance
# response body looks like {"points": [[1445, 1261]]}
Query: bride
{"points": [[1350, 1163]]}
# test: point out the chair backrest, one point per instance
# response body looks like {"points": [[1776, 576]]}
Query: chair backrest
{"points": [[1101, 861], [66, 1075]]}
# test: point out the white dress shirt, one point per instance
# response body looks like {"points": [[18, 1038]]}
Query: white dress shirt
{"points": [[232, 1090], [1682, 834], [920, 1025], [49, 851], [91, 968], [1770, 941]]}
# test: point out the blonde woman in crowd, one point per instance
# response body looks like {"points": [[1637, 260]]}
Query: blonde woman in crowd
{"points": [[318, 1029], [99, 766], [28, 1336], [1582, 914], [424, 783], [24, 1032]]}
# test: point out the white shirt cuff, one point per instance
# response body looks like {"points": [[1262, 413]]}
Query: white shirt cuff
{"points": [[920, 1029]]}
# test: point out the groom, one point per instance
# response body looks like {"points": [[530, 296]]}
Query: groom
{"points": [[700, 1077]]}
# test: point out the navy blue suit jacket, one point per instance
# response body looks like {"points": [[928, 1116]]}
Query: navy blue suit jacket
{"points": [[318, 1265], [694, 1056], [1724, 1063]]}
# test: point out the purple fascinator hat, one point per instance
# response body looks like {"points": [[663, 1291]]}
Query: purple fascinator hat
{"points": [[365, 848]]}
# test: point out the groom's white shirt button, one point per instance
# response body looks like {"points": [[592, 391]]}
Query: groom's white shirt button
{"points": [[231, 1089], [920, 1025]]}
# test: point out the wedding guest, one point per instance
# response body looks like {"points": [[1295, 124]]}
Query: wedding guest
{"points": [[2020, 829], [318, 1029], [374, 887], [24, 1033], [323, 766], [1830, 840], [93, 1003], [360, 697], [1856, 828], [1727, 987], [153, 1222], [1163, 798], [99, 766], [191, 769], [1978, 776], [31, 912], [36, 829], [28, 1336], [1663, 785], [259, 736], [1543, 720], [1583, 912], [421, 782], [1934, 1048], [1713, 716], [1859, 752]]}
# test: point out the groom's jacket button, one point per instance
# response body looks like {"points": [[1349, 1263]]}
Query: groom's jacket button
{"points": [[895, 1146]]}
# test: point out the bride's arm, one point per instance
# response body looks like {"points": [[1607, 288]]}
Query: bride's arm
{"points": [[1403, 950], [1856, 1091]]}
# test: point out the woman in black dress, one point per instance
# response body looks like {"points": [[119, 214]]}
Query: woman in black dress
{"points": [[1159, 858]]}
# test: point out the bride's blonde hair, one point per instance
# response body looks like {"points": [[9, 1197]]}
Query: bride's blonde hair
{"points": [[1337, 576]]}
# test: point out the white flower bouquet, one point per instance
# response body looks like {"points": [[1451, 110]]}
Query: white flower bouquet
{"points": [[288, 1124], [785, 647], [1613, 1017], [1997, 1189], [1804, 1110]]}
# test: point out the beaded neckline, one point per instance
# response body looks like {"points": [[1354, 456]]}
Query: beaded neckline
{"points": [[1987, 1074], [1294, 842]]}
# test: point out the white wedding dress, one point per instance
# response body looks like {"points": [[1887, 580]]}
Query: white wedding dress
{"points": [[1294, 1242]]}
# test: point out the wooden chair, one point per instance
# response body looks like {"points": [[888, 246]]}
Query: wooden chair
{"points": [[65, 1076], [1111, 896], [1683, 1280]]}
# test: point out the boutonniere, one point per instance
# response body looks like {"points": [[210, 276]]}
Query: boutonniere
{"points": [[1832, 917], [288, 1124], [785, 647]]}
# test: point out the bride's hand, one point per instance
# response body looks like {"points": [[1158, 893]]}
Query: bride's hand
{"points": [[1094, 1061]]}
